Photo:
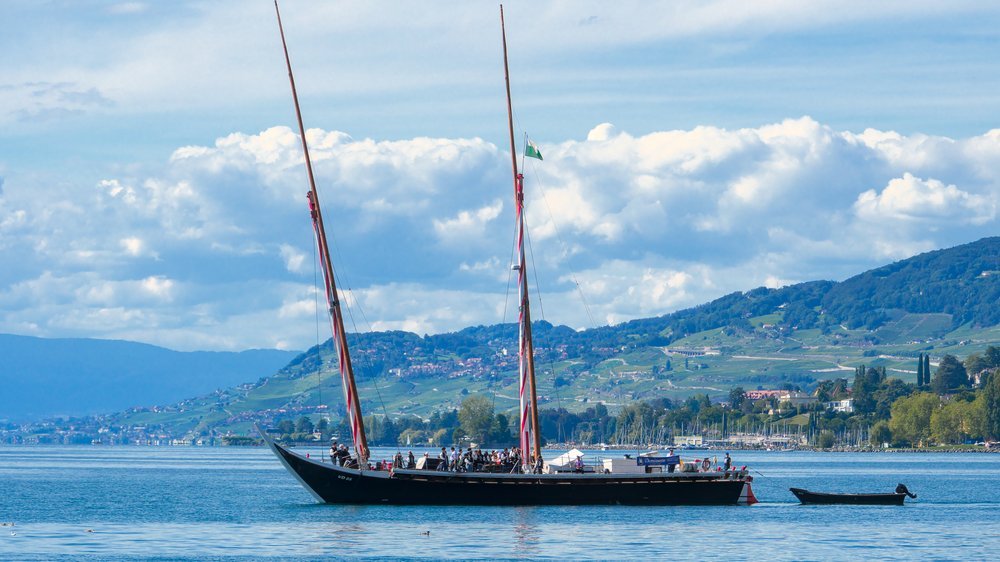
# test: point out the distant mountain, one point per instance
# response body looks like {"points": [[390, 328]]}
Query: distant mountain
{"points": [[73, 377]]}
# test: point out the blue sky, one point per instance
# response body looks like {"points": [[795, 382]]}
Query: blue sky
{"points": [[151, 187]]}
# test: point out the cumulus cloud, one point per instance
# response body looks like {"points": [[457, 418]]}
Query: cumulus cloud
{"points": [[468, 224], [213, 249], [913, 199]]}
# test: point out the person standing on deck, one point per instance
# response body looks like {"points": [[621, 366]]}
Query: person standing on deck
{"points": [[672, 461]]}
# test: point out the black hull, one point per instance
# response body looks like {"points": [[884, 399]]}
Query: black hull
{"points": [[334, 484], [805, 496]]}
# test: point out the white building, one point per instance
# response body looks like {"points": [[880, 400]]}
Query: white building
{"points": [[846, 405]]}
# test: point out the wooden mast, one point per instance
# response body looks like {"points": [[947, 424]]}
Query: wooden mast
{"points": [[333, 300], [526, 349]]}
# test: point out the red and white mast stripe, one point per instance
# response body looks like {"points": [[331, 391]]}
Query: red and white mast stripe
{"points": [[333, 302], [529, 435]]}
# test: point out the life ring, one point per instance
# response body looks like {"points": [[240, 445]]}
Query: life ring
{"points": [[706, 464]]}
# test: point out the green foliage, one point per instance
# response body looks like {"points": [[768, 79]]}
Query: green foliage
{"points": [[830, 390], [949, 281], [886, 394], [286, 427], [866, 383], [381, 431], [825, 439], [982, 366], [991, 407], [880, 433], [737, 396], [500, 432], [911, 417], [476, 417], [920, 370], [948, 424], [304, 425], [950, 375]]}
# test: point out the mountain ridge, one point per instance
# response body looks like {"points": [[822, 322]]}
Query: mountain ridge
{"points": [[45, 377]]}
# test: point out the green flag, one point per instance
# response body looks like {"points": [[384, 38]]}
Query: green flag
{"points": [[531, 151]]}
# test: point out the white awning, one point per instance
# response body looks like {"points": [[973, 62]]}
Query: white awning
{"points": [[565, 458]]}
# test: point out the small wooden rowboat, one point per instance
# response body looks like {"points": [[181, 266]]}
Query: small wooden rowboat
{"points": [[896, 498]]}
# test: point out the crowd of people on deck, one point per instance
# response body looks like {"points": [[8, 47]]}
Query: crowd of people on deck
{"points": [[477, 460], [456, 460]]}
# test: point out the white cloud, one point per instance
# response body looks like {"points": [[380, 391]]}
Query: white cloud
{"points": [[159, 287], [133, 246], [467, 224], [295, 260], [213, 249], [913, 199]]}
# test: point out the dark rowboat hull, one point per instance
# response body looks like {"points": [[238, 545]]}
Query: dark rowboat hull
{"points": [[334, 484], [805, 496]]}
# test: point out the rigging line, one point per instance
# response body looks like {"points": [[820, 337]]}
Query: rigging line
{"points": [[319, 354], [534, 270], [365, 359], [342, 282], [541, 312], [506, 299], [562, 242]]}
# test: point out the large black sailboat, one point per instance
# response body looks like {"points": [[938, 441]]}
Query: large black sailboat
{"points": [[636, 481]]}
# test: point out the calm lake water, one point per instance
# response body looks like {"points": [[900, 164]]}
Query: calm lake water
{"points": [[229, 503]]}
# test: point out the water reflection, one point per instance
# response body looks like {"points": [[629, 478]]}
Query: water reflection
{"points": [[526, 530]]}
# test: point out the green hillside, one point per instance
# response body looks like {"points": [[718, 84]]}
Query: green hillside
{"points": [[939, 303]]}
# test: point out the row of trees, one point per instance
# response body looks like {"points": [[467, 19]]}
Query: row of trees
{"points": [[958, 403], [949, 406]]}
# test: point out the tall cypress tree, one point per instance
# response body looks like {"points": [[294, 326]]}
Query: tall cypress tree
{"points": [[920, 370], [927, 369]]}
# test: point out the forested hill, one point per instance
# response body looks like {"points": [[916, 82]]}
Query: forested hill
{"points": [[962, 282], [959, 286]]}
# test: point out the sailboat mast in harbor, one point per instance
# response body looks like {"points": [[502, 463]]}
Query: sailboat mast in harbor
{"points": [[332, 296], [528, 429]]}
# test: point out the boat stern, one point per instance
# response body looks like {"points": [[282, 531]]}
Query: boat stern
{"points": [[746, 494]]}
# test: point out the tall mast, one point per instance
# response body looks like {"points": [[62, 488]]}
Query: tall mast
{"points": [[526, 350], [332, 298]]}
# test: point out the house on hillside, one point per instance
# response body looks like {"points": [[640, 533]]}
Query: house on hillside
{"points": [[845, 406], [763, 394], [796, 398]]}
